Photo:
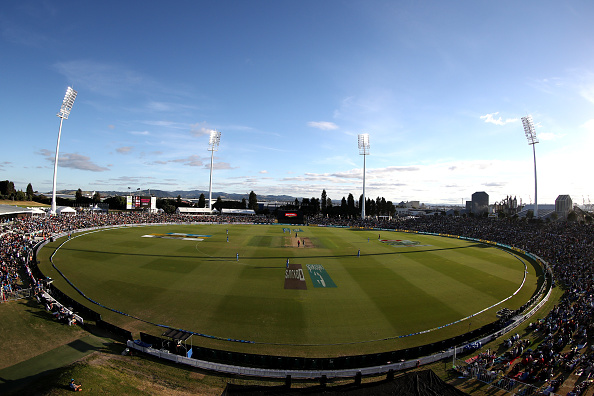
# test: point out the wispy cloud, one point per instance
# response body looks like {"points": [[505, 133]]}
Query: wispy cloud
{"points": [[220, 165], [107, 79], [490, 118], [587, 92], [166, 124], [495, 184], [124, 150], [192, 160], [18, 34], [73, 160], [160, 106], [323, 125], [588, 125]]}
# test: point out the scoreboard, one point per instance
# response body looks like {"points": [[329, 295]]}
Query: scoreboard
{"points": [[289, 216], [141, 203]]}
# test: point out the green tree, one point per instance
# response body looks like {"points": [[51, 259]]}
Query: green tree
{"points": [[315, 205], [78, 196], [305, 206], [253, 201], [116, 203], [324, 201], [202, 201], [30, 192], [243, 203], [218, 205], [166, 205], [572, 216], [96, 197], [20, 196], [351, 203], [7, 189], [390, 208]]}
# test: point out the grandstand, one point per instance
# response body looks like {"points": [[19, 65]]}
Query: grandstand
{"points": [[544, 211]]}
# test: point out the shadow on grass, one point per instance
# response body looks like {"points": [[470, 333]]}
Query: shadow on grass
{"points": [[245, 258], [25, 377]]}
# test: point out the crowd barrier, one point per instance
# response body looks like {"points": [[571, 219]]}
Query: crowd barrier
{"points": [[120, 333], [62, 307]]}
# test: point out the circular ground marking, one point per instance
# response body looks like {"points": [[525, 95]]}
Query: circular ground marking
{"points": [[290, 290]]}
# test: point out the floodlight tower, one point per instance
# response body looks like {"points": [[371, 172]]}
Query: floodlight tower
{"points": [[364, 151], [213, 145], [63, 114], [530, 133]]}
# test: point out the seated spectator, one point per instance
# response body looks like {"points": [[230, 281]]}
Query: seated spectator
{"points": [[75, 387]]}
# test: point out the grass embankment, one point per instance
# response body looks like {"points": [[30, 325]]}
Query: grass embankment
{"points": [[103, 369], [22, 204]]}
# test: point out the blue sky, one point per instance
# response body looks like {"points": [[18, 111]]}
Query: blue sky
{"points": [[439, 86]]}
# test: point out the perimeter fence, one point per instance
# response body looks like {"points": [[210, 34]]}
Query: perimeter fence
{"points": [[7, 296]]}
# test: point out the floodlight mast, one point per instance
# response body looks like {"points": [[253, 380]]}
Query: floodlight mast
{"points": [[213, 145], [364, 151], [64, 112], [530, 133]]}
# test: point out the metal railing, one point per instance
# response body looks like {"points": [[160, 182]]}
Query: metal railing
{"points": [[15, 295]]}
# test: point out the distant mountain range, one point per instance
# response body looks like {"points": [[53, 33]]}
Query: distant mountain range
{"points": [[192, 194]]}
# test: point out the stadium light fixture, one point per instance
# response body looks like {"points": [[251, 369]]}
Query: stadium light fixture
{"points": [[64, 112], [530, 133], [364, 151], [213, 145]]}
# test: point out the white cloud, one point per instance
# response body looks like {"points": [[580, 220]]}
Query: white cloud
{"points": [[489, 118], [549, 136], [323, 125], [200, 129]]}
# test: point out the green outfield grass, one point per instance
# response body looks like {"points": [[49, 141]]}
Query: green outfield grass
{"points": [[383, 290]]}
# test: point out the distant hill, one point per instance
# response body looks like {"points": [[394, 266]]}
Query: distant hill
{"points": [[192, 194]]}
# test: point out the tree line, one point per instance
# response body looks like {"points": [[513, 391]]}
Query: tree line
{"points": [[309, 206], [7, 191], [347, 208]]}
